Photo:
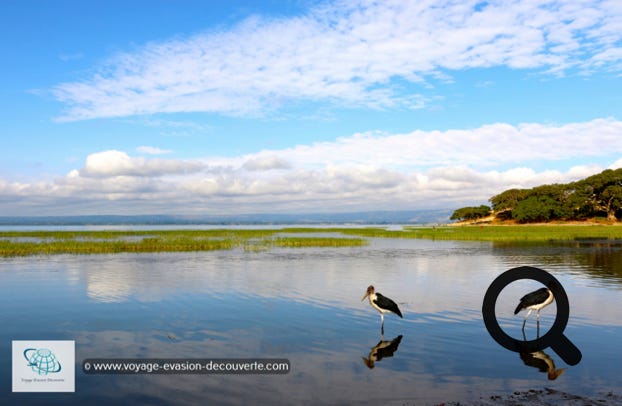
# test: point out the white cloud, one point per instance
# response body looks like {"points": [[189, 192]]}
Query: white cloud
{"points": [[483, 147], [119, 163], [347, 52], [421, 169], [616, 165], [152, 150], [266, 163]]}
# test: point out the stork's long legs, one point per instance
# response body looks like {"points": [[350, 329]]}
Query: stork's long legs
{"points": [[382, 324], [525, 319], [537, 322]]}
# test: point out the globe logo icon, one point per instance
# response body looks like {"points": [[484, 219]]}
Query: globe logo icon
{"points": [[42, 360]]}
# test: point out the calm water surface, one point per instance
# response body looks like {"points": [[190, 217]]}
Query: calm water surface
{"points": [[305, 305]]}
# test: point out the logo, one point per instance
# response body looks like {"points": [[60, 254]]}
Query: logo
{"points": [[42, 361], [43, 366]]}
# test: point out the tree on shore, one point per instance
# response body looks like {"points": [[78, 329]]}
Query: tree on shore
{"points": [[505, 202], [471, 213], [603, 192], [595, 196]]}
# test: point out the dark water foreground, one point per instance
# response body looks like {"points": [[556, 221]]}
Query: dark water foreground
{"points": [[304, 305]]}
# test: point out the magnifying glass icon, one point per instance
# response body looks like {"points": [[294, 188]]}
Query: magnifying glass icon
{"points": [[554, 338]]}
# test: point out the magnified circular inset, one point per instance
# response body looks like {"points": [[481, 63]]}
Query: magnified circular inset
{"points": [[526, 309], [554, 338]]}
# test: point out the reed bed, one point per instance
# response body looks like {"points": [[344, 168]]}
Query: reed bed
{"points": [[109, 242], [26, 243], [296, 242], [535, 233]]}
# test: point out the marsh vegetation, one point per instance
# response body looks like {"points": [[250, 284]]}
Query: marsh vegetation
{"points": [[24, 243]]}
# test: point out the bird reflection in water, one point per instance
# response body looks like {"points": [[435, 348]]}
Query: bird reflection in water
{"points": [[383, 349], [543, 362]]}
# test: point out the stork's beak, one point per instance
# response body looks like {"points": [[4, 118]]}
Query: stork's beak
{"points": [[365, 296]]}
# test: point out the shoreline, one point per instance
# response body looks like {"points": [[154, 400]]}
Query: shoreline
{"points": [[494, 221], [543, 397]]}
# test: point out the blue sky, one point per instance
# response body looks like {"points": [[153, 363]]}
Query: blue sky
{"points": [[194, 107]]}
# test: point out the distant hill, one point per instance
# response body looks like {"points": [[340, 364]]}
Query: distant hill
{"points": [[368, 217]]}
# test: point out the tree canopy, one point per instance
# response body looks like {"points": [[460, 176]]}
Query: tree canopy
{"points": [[599, 195], [471, 213]]}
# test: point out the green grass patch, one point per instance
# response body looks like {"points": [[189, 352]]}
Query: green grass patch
{"points": [[25, 243], [109, 242], [554, 232], [534, 233], [299, 242]]}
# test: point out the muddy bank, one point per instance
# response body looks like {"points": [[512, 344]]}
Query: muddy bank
{"points": [[543, 397]]}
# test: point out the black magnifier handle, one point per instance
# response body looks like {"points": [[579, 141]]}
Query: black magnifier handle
{"points": [[566, 350]]}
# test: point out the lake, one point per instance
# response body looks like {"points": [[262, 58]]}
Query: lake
{"points": [[304, 305]]}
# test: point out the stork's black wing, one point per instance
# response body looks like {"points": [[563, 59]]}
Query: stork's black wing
{"points": [[385, 349], [533, 298], [530, 360], [386, 303]]}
